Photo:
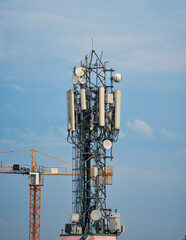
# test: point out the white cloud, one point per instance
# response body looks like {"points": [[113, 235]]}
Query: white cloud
{"points": [[27, 138], [46, 17], [181, 154], [1, 49], [16, 87], [39, 19], [149, 175], [183, 11], [125, 42], [121, 134], [149, 61], [141, 127], [13, 86], [3, 222], [172, 135], [7, 142]]}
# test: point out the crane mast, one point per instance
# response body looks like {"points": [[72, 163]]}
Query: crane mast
{"points": [[35, 200], [36, 174], [93, 123]]}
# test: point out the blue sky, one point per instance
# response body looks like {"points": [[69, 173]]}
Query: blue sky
{"points": [[40, 42]]}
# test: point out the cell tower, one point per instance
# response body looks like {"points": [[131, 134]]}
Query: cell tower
{"points": [[93, 123]]}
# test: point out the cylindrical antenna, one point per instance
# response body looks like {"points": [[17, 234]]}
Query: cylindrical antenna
{"points": [[117, 109], [101, 106], [72, 110], [83, 99], [68, 111]]}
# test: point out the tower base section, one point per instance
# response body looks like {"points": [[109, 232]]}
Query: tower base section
{"points": [[88, 237]]}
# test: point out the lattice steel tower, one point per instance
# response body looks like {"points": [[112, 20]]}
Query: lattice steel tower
{"points": [[93, 123]]}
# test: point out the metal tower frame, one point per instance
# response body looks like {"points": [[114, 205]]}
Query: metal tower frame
{"points": [[35, 200], [35, 208], [93, 122]]}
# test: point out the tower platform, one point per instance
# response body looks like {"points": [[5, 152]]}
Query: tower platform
{"points": [[87, 237]]}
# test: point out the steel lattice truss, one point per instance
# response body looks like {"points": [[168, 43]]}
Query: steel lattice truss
{"points": [[35, 207], [87, 137]]}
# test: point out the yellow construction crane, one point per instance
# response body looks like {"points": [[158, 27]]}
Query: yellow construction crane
{"points": [[36, 182]]}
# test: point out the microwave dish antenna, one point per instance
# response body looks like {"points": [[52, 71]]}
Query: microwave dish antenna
{"points": [[80, 71], [117, 77], [75, 79], [82, 80], [95, 215], [107, 144]]}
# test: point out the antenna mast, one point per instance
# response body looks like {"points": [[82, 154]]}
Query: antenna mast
{"points": [[93, 124]]}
